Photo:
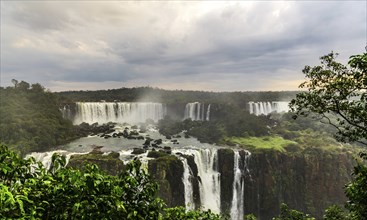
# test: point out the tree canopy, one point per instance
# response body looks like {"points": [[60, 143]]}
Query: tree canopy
{"points": [[30, 119], [337, 94]]}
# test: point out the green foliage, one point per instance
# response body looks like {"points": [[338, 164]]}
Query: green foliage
{"points": [[267, 142], [337, 94], [290, 214], [250, 217], [334, 212], [29, 191], [30, 118], [149, 94], [356, 190], [233, 121], [180, 213], [169, 127]]}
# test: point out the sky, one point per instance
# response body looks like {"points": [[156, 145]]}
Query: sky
{"points": [[189, 45]]}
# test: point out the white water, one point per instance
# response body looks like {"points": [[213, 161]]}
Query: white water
{"points": [[130, 112], [46, 157], [265, 108], [208, 113], [186, 179], [207, 161], [196, 111], [205, 158], [237, 209]]}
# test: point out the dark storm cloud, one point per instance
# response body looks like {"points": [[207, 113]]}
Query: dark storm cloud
{"points": [[204, 45]]}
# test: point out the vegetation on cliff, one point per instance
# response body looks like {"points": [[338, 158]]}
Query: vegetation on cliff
{"points": [[29, 191], [30, 119]]}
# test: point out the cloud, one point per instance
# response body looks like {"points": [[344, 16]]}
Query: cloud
{"points": [[204, 45]]}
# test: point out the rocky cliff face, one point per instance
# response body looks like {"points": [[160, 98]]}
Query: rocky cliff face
{"points": [[168, 171], [309, 181], [109, 163]]}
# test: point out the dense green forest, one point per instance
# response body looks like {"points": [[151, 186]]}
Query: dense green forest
{"points": [[174, 96], [30, 119]]}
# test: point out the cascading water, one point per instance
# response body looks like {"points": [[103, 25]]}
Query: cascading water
{"points": [[238, 190], [46, 157], [202, 189], [196, 111], [208, 113], [186, 179], [130, 112], [207, 161], [265, 108]]}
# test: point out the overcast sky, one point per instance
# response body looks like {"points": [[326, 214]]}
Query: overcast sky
{"points": [[211, 45]]}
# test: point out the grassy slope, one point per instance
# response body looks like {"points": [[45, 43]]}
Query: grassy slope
{"points": [[267, 142]]}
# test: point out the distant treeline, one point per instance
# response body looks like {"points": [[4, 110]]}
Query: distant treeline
{"points": [[30, 119], [174, 96]]}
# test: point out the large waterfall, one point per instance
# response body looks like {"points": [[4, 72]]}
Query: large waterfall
{"points": [[240, 167], [265, 108], [130, 112], [197, 111], [206, 161]]}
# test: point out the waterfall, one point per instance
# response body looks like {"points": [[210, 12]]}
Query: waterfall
{"points": [[186, 179], [208, 113], [265, 108], [237, 209], [66, 112], [130, 112], [46, 157], [196, 111], [207, 162]]}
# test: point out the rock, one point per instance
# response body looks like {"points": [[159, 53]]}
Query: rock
{"points": [[167, 171], [226, 169], [147, 142], [156, 154], [109, 163], [138, 151], [134, 132]]}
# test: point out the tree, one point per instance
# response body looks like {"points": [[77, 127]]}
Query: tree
{"points": [[337, 95], [290, 214], [30, 191], [356, 190]]}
